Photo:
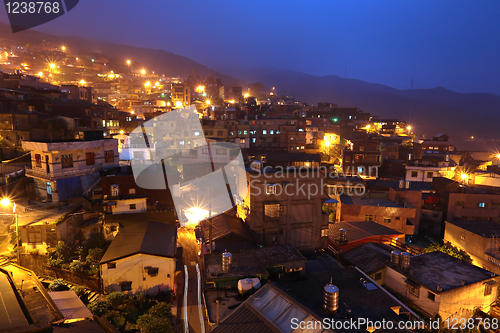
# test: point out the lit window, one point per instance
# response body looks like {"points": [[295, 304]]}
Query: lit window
{"points": [[115, 190], [131, 191], [482, 205], [271, 189], [324, 232]]}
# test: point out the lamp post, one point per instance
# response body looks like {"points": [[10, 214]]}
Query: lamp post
{"points": [[7, 202]]}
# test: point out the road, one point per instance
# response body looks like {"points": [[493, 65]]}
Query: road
{"points": [[187, 240]]}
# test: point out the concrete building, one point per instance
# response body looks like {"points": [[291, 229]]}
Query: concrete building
{"points": [[425, 171], [141, 259], [438, 284], [286, 207], [396, 215], [480, 239], [362, 157], [65, 169]]}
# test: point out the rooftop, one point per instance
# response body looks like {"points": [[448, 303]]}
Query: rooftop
{"points": [[483, 228], [253, 261], [348, 200], [224, 225], [359, 230], [437, 269], [153, 238], [270, 309], [358, 298], [369, 257]]}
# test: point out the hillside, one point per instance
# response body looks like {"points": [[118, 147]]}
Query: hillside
{"points": [[429, 111]]}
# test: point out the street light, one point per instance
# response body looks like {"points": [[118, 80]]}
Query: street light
{"points": [[6, 202], [128, 62], [408, 128], [464, 176]]}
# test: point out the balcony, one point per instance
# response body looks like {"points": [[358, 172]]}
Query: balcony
{"points": [[65, 173]]}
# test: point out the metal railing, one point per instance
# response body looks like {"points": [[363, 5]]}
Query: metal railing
{"points": [[43, 174]]}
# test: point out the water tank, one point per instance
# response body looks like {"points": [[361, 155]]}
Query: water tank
{"points": [[401, 184], [226, 261], [395, 257], [248, 284], [343, 235], [405, 260], [407, 185], [331, 301]]}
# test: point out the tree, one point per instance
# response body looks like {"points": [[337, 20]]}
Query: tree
{"points": [[449, 250], [77, 267], [57, 285], [95, 255], [99, 307], [149, 324]]}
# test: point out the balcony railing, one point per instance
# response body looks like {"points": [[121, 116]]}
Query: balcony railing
{"points": [[65, 173]]}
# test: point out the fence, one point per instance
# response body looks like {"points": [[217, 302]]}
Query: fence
{"points": [[39, 264]]}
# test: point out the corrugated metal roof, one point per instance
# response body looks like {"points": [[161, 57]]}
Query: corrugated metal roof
{"points": [[150, 237]]}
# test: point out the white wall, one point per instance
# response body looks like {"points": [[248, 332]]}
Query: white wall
{"points": [[123, 206], [132, 269]]}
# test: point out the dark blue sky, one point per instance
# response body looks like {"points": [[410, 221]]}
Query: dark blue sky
{"points": [[449, 43]]}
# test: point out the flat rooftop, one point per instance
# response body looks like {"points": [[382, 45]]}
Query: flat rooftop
{"points": [[359, 230], [348, 200], [439, 269], [369, 257], [356, 298], [253, 261], [483, 228]]}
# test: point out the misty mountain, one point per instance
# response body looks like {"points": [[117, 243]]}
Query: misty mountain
{"points": [[430, 111], [157, 60]]}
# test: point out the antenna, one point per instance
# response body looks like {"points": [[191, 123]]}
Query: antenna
{"points": [[411, 85]]}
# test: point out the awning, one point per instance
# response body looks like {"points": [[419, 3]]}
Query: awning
{"points": [[331, 201], [492, 283], [412, 283]]}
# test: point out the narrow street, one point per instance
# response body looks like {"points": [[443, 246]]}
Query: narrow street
{"points": [[187, 240]]}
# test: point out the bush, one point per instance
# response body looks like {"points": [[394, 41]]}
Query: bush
{"points": [[116, 299], [149, 324], [98, 307], [161, 310], [79, 290], [57, 285], [77, 266]]}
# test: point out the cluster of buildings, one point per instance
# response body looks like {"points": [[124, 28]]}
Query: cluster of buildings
{"points": [[338, 201]]}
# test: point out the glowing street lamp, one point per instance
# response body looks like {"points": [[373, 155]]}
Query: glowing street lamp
{"points": [[464, 176], [246, 95], [200, 89], [143, 72], [82, 82], [231, 101], [63, 48], [7, 202], [147, 84], [52, 65], [196, 214], [122, 131], [408, 128], [178, 104], [498, 156], [128, 62]]}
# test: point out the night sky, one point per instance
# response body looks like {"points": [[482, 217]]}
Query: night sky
{"points": [[452, 43]]}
